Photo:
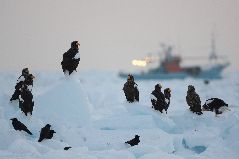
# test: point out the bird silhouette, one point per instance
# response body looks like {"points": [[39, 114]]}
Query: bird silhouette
{"points": [[67, 148], [46, 133], [133, 141], [19, 126]]}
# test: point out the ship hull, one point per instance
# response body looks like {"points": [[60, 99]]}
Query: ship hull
{"points": [[213, 72]]}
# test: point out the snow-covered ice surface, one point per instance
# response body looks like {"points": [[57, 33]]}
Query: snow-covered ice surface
{"points": [[88, 111]]}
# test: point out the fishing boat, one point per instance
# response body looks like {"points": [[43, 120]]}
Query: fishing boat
{"points": [[170, 67]]}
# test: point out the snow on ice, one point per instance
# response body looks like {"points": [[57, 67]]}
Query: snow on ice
{"points": [[89, 112]]}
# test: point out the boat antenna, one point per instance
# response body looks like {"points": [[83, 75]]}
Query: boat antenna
{"points": [[213, 54]]}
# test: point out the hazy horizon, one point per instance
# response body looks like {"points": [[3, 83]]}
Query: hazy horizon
{"points": [[35, 34]]}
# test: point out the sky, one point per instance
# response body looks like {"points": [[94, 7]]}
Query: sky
{"points": [[35, 33]]}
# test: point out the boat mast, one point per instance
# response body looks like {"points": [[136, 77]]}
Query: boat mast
{"points": [[213, 54]]}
